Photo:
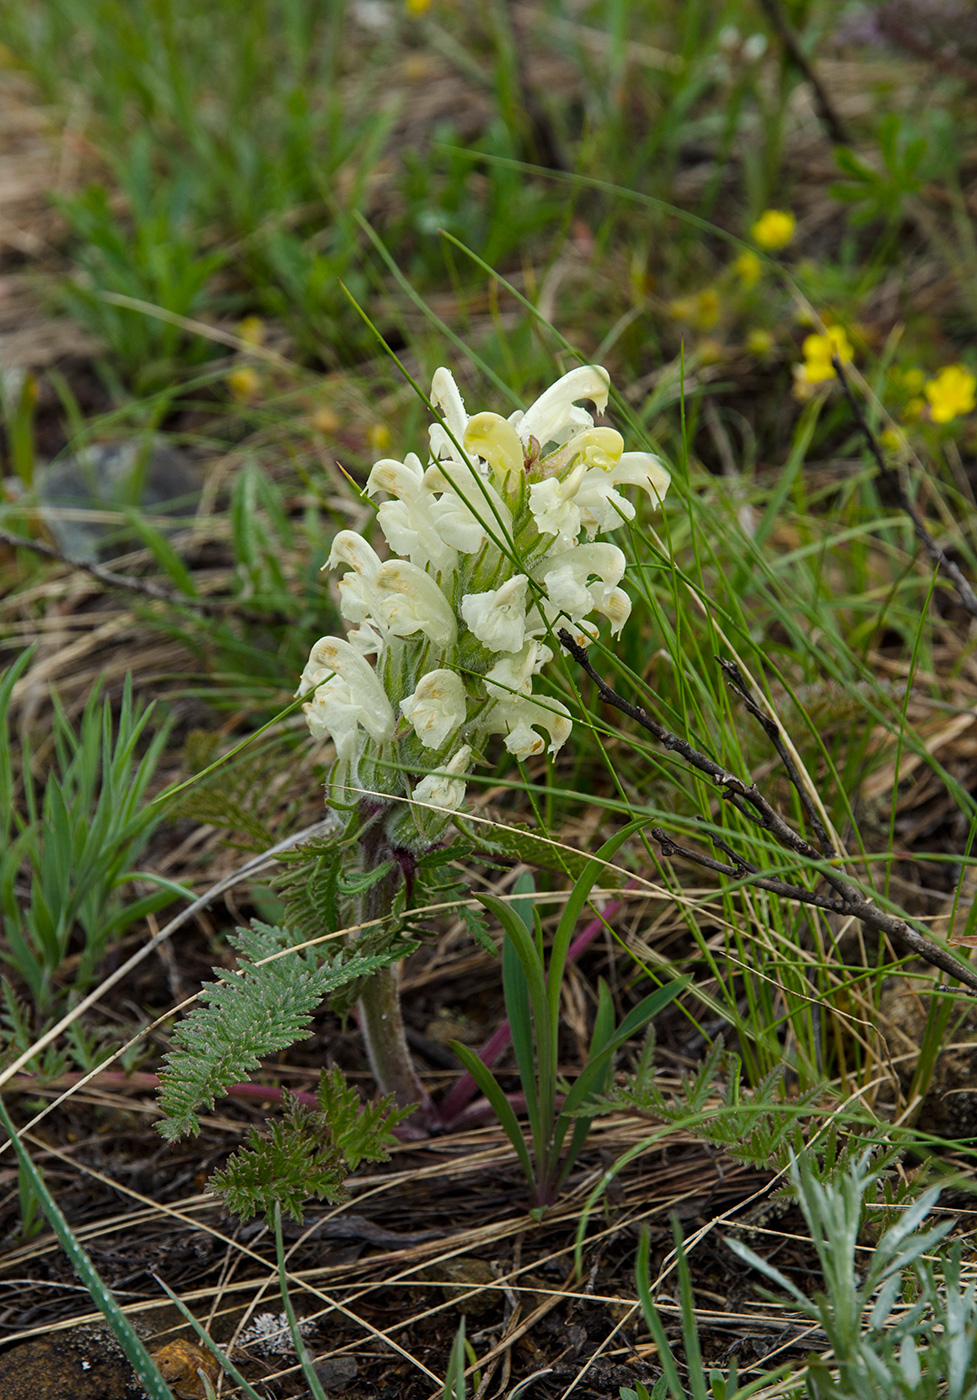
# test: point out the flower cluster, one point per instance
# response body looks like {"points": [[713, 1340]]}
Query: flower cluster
{"points": [[774, 230], [951, 394], [486, 560], [819, 351]]}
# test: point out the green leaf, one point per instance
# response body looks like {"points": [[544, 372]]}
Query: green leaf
{"points": [[601, 1038], [589, 1078], [296, 1159], [592, 871], [517, 1005], [362, 1132], [163, 552], [501, 1106], [527, 846], [477, 929], [248, 1014]]}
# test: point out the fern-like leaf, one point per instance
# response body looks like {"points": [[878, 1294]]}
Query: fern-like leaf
{"points": [[310, 1152], [310, 886], [362, 1132], [297, 1159], [248, 1014], [523, 844]]}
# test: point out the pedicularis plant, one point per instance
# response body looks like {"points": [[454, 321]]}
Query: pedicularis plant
{"points": [[492, 546]]}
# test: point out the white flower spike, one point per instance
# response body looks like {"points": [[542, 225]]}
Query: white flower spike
{"points": [[487, 557]]}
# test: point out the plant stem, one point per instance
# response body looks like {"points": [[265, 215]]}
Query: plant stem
{"points": [[380, 1015], [382, 1024]]}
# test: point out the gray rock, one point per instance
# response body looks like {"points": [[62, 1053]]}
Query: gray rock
{"points": [[146, 474]]}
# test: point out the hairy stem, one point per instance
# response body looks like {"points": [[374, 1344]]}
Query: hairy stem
{"points": [[382, 1024], [380, 1015]]}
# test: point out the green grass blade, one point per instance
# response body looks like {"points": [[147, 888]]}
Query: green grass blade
{"points": [[517, 1005], [207, 1340], [489, 1086], [125, 1334], [571, 913]]}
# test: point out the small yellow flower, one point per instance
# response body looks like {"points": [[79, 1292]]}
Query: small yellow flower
{"points": [[819, 351], [951, 393], [700, 310], [244, 383], [711, 351], [890, 439], [379, 437], [913, 409], [324, 420], [748, 268], [418, 7], [774, 229], [759, 342], [251, 330]]}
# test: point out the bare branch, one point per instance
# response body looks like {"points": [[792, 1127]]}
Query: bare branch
{"points": [[788, 37], [143, 587], [847, 900]]}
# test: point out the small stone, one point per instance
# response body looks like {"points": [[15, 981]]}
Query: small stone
{"points": [[146, 474]]}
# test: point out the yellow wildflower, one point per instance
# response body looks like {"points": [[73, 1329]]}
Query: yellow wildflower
{"points": [[418, 7], [700, 310], [379, 437], [951, 393], [711, 351], [325, 420], [774, 229], [891, 440], [251, 330], [819, 350], [748, 268], [244, 383], [759, 342]]}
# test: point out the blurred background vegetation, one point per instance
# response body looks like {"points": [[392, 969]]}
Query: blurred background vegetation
{"points": [[213, 216]]}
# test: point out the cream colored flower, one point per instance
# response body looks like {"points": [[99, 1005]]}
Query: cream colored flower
{"points": [[512, 675], [410, 601], [408, 521], [348, 696], [615, 605], [567, 577], [519, 720], [496, 441], [555, 416], [446, 789], [601, 505], [436, 708], [468, 507], [554, 507], [357, 592], [498, 616], [446, 398]]}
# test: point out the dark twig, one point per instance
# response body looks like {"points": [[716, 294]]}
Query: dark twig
{"points": [[747, 799], [771, 728], [935, 551], [123, 583], [788, 37]]}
